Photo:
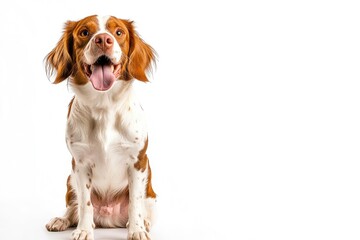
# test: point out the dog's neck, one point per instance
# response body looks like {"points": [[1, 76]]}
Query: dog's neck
{"points": [[115, 98]]}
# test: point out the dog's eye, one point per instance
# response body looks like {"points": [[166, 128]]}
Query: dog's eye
{"points": [[84, 33], [118, 32]]}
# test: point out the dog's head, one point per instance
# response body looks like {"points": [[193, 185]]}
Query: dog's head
{"points": [[100, 50]]}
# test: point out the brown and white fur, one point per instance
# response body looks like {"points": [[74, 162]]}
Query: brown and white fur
{"points": [[110, 181]]}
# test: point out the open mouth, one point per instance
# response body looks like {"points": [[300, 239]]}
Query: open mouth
{"points": [[102, 73]]}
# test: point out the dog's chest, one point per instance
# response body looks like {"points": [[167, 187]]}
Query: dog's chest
{"points": [[110, 153], [108, 140]]}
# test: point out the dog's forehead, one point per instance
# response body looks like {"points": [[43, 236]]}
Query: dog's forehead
{"points": [[109, 22], [102, 22]]}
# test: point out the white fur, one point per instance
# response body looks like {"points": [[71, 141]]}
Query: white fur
{"points": [[102, 22]]}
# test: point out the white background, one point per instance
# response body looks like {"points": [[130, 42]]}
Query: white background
{"points": [[254, 115]]}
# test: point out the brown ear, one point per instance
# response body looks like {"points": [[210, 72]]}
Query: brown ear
{"points": [[59, 59], [141, 56]]}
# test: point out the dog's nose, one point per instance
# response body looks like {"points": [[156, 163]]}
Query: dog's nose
{"points": [[104, 41]]}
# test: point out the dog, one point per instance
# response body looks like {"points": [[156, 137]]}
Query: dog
{"points": [[110, 182]]}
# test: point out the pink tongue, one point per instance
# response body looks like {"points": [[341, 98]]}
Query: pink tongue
{"points": [[102, 77]]}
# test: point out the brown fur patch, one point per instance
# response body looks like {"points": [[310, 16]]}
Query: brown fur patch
{"points": [[141, 165], [149, 190], [141, 55], [65, 58], [70, 195], [142, 158], [73, 164], [60, 58]]}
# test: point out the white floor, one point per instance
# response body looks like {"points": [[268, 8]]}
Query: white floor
{"points": [[99, 234]]}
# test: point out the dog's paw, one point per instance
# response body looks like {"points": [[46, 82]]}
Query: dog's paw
{"points": [[58, 224], [79, 234], [142, 235]]}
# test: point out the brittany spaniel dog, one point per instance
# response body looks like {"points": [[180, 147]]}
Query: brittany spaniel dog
{"points": [[110, 182]]}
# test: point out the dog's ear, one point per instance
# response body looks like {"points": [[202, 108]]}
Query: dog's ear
{"points": [[141, 55], [60, 58]]}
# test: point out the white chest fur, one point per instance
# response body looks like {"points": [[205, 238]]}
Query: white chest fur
{"points": [[106, 129]]}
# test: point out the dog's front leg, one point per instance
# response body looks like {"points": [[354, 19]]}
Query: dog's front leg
{"points": [[138, 175], [85, 229]]}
